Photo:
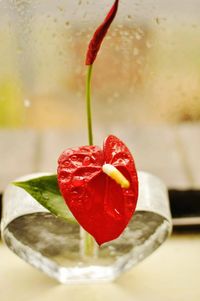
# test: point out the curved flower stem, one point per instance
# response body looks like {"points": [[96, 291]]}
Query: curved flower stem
{"points": [[88, 244]]}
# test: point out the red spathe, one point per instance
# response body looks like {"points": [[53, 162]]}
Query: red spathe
{"points": [[99, 204]]}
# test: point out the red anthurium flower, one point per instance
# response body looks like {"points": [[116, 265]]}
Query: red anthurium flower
{"points": [[99, 35], [100, 187]]}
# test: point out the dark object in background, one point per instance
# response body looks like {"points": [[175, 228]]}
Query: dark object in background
{"points": [[185, 208], [0, 211]]}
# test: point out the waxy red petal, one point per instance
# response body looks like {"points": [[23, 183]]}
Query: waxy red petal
{"points": [[99, 35], [98, 203], [118, 154]]}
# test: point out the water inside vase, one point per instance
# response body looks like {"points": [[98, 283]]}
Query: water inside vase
{"points": [[53, 245]]}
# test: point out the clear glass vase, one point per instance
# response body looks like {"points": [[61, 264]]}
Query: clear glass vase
{"points": [[140, 79], [56, 246]]}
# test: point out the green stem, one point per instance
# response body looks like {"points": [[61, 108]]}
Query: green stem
{"points": [[88, 104], [89, 246]]}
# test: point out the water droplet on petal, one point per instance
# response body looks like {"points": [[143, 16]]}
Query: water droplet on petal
{"points": [[65, 176], [78, 181], [120, 161], [77, 192], [67, 163], [86, 161], [128, 192]]}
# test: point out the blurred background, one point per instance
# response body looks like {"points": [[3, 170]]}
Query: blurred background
{"points": [[145, 90], [146, 84]]}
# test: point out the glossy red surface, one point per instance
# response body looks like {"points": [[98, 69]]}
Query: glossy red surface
{"points": [[98, 203]]}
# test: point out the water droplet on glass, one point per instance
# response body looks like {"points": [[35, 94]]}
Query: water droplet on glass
{"points": [[19, 50], [148, 44], [45, 196], [126, 33], [138, 36], [116, 95], [136, 51], [111, 248], [60, 8], [27, 103], [157, 20]]}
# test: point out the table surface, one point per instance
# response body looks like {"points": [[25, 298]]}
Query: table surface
{"points": [[172, 273]]}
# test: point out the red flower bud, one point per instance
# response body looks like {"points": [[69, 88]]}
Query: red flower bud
{"points": [[99, 35]]}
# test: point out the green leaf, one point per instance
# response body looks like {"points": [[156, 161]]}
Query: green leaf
{"points": [[45, 190]]}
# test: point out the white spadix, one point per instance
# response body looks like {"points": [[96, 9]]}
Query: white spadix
{"points": [[116, 175]]}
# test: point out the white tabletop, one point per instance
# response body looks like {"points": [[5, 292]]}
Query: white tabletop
{"points": [[172, 273]]}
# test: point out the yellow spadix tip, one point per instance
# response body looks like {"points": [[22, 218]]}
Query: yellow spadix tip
{"points": [[116, 175]]}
